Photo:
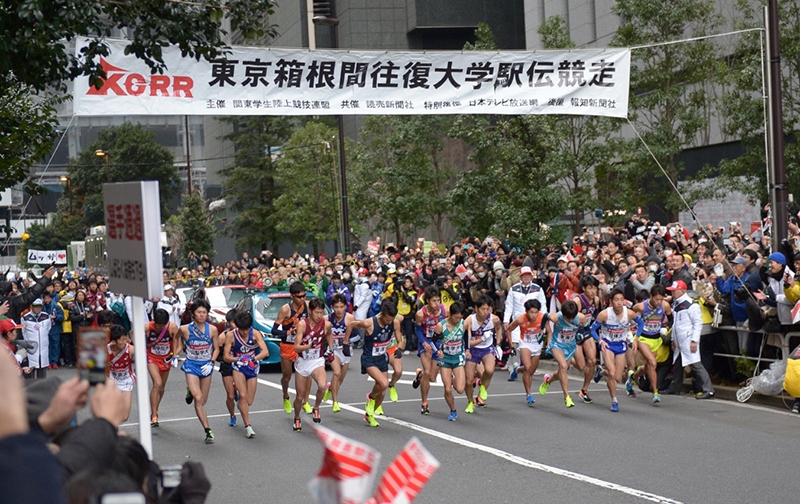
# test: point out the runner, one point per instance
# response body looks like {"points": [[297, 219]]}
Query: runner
{"points": [[378, 333], [339, 320], [310, 364], [483, 333], [453, 354], [284, 328], [395, 353], [426, 319], [563, 345], [243, 353], [120, 363], [586, 354], [614, 324], [656, 314], [202, 347], [534, 334], [160, 336], [226, 369]]}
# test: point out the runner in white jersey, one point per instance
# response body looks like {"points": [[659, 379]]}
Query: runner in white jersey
{"points": [[339, 320], [310, 363], [613, 324], [484, 331], [120, 363]]}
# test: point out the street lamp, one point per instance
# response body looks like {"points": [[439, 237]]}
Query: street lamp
{"points": [[334, 24], [69, 190], [102, 153]]}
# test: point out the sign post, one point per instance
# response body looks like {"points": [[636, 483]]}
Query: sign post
{"points": [[133, 221]]}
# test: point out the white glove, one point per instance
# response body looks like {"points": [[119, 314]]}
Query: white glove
{"points": [[207, 368], [718, 269], [174, 362], [663, 331]]}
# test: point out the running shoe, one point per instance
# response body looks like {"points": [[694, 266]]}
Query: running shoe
{"points": [[470, 408], [315, 414], [530, 399], [417, 378], [796, 408], [154, 421], [480, 402], [249, 432], [235, 396], [379, 410], [615, 406], [629, 384], [327, 394], [336, 408], [424, 409], [598, 373], [189, 397], [371, 421], [656, 398], [513, 375], [631, 393], [452, 416], [483, 393], [232, 422], [568, 402], [297, 426], [369, 406], [287, 406], [209, 436], [307, 408], [393, 394], [584, 394], [544, 386]]}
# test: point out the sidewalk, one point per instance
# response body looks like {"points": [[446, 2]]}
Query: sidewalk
{"points": [[721, 392]]}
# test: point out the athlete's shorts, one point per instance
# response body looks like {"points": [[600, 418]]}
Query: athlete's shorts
{"points": [[287, 351], [567, 350], [247, 370], [305, 367], [202, 369], [534, 348], [653, 343], [225, 369], [453, 361], [160, 363], [581, 336], [476, 354], [618, 347], [342, 358], [421, 349], [380, 361], [390, 351]]}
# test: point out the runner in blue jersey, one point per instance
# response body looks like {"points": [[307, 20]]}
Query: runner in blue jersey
{"points": [[611, 328], [339, 320], [199, 338], [657, 316], [378, 334], [453, 354], [244, 348], [563, 345], [586, 354]]}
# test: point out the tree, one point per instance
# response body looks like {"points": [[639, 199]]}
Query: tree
{"points": [[195, 226], [36, 53], [133, 154], [670, 103], [250, 187], [307, 207]]}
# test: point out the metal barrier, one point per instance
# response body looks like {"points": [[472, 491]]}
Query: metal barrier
{"points": [[785, 342]]}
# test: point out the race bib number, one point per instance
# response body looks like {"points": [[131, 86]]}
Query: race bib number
{"points": [[338, 342], [567, 335], [199, 352], [379, 349], [162, 349], [311, 353], [452, 348], [652, 327], [532, 337], [120, 376], [290, 336]]}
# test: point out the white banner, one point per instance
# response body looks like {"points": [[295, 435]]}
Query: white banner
{"points": [[264, 81], [47, 256]]}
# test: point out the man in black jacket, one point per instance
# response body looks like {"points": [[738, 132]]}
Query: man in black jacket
{"points": [[18, 304]]}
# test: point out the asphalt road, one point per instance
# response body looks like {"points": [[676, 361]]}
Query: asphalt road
{"points": [[682, 450]]}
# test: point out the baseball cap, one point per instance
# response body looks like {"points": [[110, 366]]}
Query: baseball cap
{"points": [[677, 285], [168, 287], [37, 302], [778, 257], [7, 325], [562, 258], [740, 260], [525, 270]]}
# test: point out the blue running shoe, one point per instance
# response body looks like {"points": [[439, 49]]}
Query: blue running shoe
{"points": [[513, 375], [232, 423], [530, 399], [598, 373], [453, 415], [615, 406]]}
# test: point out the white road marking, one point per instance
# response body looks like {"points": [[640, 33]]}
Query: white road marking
{"points": [[507, 456]]}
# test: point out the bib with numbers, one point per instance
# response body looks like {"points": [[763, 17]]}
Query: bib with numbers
{"points": [[313, 337], [199, 346], [120, 365], [653, 320], [337, 330], [453, 340], [564, 332], [533, 332], [379, 341]]}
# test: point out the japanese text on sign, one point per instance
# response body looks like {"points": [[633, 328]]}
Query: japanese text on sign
{"points": [[124, 222]]}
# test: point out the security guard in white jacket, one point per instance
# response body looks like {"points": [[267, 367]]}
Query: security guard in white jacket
{"points": [[519, 293], [686, 342], [36, 326]]}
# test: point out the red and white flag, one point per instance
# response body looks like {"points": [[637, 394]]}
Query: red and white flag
{"points": [[796, 313], [406, 475], [347, 472]]}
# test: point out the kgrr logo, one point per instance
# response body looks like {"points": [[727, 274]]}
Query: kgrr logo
{"points": [[122, 82]]}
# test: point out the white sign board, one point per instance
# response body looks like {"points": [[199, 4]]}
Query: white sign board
{"points": [[47, 256], [269, 81], [133, 222]]}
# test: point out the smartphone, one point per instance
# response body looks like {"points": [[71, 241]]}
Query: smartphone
{"points": [[93, 354], [170, 476], [123, 498]]}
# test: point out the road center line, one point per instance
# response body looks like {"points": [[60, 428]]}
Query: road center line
{"points": [[507, 456]]}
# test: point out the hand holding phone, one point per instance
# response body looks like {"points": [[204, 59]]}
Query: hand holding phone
{"points": [[93, 354]]}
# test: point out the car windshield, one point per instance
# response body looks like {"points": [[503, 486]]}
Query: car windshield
{"points": [[267, 309], [224, 296]]}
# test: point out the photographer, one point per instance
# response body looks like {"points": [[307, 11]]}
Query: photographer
{"points": [[19, 303]]}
